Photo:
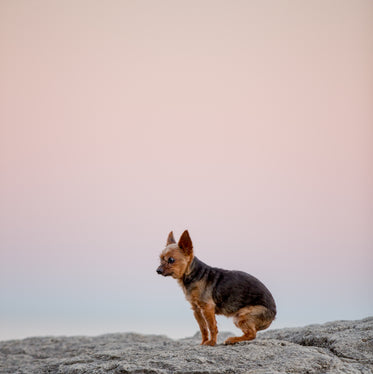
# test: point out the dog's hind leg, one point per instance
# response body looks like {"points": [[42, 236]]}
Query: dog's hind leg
{"points": [[248, 329], [250, 320]]}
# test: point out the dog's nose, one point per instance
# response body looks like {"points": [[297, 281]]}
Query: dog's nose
{"points": [[160, 270]]}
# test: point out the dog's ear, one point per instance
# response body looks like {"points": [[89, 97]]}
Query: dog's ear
{"points": [[171, 239], [185, 243]]}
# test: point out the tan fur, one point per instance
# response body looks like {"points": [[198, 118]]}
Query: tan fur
{"points": [[182, 262], [250, 320]]}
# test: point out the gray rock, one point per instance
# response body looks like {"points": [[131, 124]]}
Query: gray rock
{"points": [[335, 347]]}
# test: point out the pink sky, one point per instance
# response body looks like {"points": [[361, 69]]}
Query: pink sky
{"points": [[248, 122]]}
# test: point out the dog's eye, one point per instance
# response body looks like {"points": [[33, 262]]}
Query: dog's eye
{"points": [[171, 260]]}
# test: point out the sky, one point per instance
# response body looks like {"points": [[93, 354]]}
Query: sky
{"points": [[249, 123]]}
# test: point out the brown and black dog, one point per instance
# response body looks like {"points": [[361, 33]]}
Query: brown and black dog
{"points": [[213, 291]]}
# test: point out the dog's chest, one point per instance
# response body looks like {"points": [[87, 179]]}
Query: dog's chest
{"points": [[197, 292]]}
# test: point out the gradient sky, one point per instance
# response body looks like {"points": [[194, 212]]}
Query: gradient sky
{"points": [[249, 123]]}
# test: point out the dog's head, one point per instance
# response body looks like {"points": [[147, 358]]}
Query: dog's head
{"points": [[176, 257]]}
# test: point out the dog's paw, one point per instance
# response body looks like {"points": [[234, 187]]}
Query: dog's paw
{"points": [[232, 340], [210, 343]]}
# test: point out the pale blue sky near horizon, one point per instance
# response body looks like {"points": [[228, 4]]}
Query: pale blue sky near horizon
{"points": [[249, 123]]}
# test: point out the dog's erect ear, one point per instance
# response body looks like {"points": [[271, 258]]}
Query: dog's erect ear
{"points": [[185, 243], [171, 239]]}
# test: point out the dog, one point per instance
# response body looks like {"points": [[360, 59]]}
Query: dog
{"points": [[212, 291]]}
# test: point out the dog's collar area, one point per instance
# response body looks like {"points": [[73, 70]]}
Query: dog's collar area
{"points": [[197, 270]]}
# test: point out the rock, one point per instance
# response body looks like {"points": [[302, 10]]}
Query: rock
{"points": [[335, 347]]}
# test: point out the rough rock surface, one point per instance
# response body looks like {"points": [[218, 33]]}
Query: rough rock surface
{"points": [[335, 347]]}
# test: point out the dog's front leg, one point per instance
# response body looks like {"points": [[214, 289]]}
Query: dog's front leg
{"points": [[201, 323], [208, 312]]}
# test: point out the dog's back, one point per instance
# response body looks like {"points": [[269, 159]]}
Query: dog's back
{"points": [[236, 290], [230, 290]]}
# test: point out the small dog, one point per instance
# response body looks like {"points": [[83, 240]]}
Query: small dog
{"points": [[213, 291]]}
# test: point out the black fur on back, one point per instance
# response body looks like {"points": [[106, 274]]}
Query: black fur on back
{"points": [[230, 290]]}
